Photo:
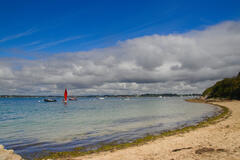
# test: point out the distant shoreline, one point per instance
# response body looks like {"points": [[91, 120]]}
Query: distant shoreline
{"points": [[96, 96]]}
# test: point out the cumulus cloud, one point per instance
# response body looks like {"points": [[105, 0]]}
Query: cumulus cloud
{"points": [[176, 63]]}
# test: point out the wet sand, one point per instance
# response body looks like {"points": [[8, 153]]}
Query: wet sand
{"points": [[220, 141]]}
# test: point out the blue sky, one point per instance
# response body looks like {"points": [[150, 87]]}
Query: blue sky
{"points": [[117, 46], [30, 29]]}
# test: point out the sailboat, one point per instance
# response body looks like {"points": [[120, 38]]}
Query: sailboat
{"points": [[72, 98], [65, 96]]}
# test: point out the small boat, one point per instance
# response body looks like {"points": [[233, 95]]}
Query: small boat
{"points": [[50, 100], [101, 98], [72, 99], [65, 96]]}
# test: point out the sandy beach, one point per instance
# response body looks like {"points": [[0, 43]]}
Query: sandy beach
{"points": [[220, 141]]}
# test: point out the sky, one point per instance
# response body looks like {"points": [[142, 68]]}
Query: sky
{"points": [[117, 47]]}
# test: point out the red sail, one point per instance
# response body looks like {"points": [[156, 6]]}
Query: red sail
{"points": [[65, 95]]}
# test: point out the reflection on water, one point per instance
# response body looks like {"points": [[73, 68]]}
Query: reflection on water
{"points": [[29, 126]]}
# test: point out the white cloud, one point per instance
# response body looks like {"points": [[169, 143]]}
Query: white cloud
{"points": [[179, 63]]}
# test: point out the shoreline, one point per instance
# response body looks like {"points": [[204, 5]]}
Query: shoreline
{"points": [[80, 153], [218, 141]]}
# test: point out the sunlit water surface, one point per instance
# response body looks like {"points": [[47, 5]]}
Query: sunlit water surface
{"points": [[29, 125]]}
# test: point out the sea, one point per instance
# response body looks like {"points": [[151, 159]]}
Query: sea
{"points": [[31, 126]]}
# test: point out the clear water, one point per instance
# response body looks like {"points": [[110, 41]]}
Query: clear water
{"points": [[29, 126]]}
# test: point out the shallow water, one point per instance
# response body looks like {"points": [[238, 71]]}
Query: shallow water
{"points": [[29, 126]]}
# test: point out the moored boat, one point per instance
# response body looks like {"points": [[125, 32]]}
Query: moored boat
{"points": [[72, 99], [50, 100]]}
